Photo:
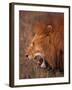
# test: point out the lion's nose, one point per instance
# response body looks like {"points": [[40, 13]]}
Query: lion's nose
{"points": [[26, 55]]}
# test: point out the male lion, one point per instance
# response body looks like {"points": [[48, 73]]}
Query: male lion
{"points": [[47, 46]]}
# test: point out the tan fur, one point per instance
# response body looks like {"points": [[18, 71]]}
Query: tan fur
{"points": [[49, 40]]}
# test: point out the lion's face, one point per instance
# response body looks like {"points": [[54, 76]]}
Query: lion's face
{"points": [[35, 51], [38, 48], [47, 44]]}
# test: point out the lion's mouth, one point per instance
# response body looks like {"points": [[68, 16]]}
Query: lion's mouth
{"points": [[39, 59]]}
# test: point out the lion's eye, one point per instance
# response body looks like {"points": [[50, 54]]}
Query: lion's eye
{"points": [[33, 43]]}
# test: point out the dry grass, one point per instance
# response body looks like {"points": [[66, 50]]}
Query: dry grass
{"points": [[32, 71]]}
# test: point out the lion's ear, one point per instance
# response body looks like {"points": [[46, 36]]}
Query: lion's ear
{"points": [[49, 28]]}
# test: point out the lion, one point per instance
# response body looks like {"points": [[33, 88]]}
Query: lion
{"points": [[47, 45]]}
